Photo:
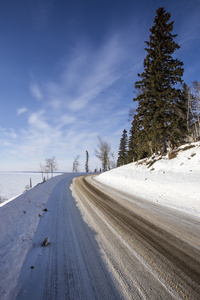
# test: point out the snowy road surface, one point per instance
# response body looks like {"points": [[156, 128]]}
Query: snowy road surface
{"points": [[152, 251], [102, 246], [71, 266]]}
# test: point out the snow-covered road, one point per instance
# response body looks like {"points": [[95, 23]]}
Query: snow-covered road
{"points": [[152, 251], [70, 267]]}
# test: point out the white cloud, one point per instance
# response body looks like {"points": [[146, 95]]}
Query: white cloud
{"points": [[65, 119], [55, 103], [7, 134], [36, 120], [35, 91], [21, 110]]}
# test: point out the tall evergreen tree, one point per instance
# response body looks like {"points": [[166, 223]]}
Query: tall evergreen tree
{"points": [[161, 112], [122, 153], [132, 150]]}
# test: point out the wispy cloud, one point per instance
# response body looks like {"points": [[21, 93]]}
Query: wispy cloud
{"points": [[36, 120], [81, 104], [65, 119], [7, 133], [35, 91], [21, 110], [8, 138], [89, 73]]}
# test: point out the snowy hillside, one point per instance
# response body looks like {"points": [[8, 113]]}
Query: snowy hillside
{"points": [[172, 180], [19, 220]]}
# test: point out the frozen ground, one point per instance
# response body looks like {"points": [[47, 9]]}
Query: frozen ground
{"points": [[172, 182]]}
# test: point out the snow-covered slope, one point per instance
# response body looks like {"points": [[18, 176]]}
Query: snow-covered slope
{"points": [[18, 222], [172, 180]]}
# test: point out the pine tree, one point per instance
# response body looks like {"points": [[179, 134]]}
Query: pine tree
{"points": [[86, 162], [132, 146], [122, 153], [161, 112]]}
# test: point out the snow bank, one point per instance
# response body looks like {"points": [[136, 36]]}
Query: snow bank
{"points": [[174, 182], [18, 222]]}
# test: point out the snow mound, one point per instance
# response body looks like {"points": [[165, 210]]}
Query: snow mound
{"points": [[172, 180]]}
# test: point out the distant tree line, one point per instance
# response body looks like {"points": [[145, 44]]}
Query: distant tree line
{"points": [[103, 152], [168, 110]]}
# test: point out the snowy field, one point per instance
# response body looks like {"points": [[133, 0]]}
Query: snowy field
{"points": [[172, 180], [13, 184]]}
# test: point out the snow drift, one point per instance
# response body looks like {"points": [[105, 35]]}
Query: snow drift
{"points": [[172, 180]]}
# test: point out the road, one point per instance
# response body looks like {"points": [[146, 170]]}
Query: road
{"points": [[70, 267], [152, 251], [108, 245]]}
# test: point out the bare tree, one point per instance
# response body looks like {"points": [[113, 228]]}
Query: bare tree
{"points": [[193, 114], [196, 107], [76, 164], [42, 171], [51, 165], [112, 162], [103, 153]]}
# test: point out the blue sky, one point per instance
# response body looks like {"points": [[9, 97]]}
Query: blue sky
{"points": [[67, 73]]}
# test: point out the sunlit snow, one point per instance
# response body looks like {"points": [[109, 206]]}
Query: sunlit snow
{"points": [[172, 182]]}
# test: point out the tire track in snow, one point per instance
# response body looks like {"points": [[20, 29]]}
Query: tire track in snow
{"points": [[71, 267], [174, 262]]}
